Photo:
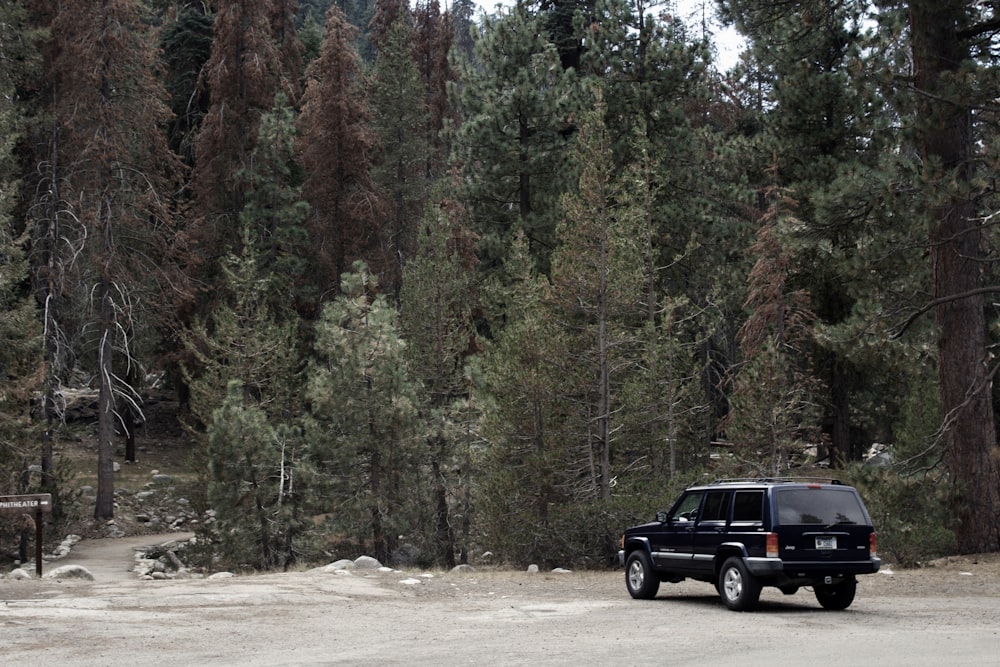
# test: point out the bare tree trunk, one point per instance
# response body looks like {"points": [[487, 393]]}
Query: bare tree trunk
{"points": [[105, 507], [945, 127]]}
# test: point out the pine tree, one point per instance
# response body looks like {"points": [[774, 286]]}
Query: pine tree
{"points": [[436, 312], [399, 121], [944, 37], [517, 105], [245, 394], [186, 43], [526, 420], [20, 358], [433, 40], [337, 155], [363, 403], [275, 213], [117, 178], [597, 286], [251, 61], [254, 485], [774, 404]]}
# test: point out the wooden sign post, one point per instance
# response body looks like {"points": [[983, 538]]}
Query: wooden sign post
{"points": [[39, 502]]}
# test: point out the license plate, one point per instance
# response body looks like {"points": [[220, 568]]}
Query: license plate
{"points": [[826, 542]]}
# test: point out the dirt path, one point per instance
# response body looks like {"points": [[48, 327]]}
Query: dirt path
{"points": [[113, 559]]}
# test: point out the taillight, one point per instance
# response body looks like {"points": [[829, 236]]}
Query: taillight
{"points": [[872, 545], [772, 545]]}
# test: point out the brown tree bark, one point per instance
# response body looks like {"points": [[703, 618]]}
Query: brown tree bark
{"points": [[945, 135]]}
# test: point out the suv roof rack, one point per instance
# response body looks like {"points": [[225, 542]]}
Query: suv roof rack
{"points": [[776, 480]]}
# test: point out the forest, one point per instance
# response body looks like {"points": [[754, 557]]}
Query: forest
{"points": [[429, 281]]}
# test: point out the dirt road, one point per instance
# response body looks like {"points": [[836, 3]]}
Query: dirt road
{"points": [[946, 615]]}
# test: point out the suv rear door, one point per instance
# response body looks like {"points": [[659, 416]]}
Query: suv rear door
{"points": [[818, 523], [710, 529]]}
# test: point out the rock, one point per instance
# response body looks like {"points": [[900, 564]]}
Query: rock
{"points": [[463, 568], [69, 572], [342, 564], [163, 479], [562, 570], [367, 563], [532, 569], [19, 575], [410, 582], [222, 575]]}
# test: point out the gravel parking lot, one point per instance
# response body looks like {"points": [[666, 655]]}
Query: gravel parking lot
{"points": [[945, 614]]}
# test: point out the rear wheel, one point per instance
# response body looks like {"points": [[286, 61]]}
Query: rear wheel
{"points": [[837, 596], [641, 581], [739, 589]]}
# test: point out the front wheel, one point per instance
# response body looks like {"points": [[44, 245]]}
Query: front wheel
{"points": [[739, 589], [837, 596], [641, 581]]}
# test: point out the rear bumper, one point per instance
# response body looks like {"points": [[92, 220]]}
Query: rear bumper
{"points": [[771, 567]]}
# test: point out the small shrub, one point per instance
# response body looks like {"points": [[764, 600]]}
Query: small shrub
{"points": [[910, 513]]}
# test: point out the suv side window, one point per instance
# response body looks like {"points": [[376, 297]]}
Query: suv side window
{"points": [[687, 507], [716, 507], [748, 506]]}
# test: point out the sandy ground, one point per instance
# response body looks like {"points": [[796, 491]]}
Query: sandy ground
{"points": [[943, 615]]}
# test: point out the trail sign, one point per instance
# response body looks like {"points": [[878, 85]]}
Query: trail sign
{"points": [[39, 503], [16, 504]]}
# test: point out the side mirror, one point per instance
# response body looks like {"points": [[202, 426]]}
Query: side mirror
{"points": [[661, 517]]}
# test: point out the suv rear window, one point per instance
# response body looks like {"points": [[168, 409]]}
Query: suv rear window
{"points": [[818, 506]]}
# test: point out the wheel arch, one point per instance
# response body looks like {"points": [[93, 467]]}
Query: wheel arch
{"points": [[637, 544], [726, 551]]}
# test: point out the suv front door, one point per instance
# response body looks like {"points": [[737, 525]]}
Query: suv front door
{"points": [[671, 546]]}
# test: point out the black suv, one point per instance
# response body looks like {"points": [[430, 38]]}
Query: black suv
{"points": [[742, 534]]}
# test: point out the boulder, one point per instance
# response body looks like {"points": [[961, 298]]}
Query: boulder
{"points": [[69, 572]]}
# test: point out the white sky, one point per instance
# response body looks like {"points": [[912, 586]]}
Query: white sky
{"points": [[728, 42]]}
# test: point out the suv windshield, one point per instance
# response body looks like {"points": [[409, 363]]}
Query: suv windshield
{"points": [[825, 506]]}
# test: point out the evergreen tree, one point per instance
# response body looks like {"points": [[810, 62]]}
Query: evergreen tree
{"points": [[20, 357], [254, 485], [399, 121], [275, 213], [597, 290], [437, 306], [526, 421], [110, 111], [252, 60], [186, 43], [337, 155], [774, 404], [245, 393], [433, 40], [950, 43], [517, 105], [363, 402]]}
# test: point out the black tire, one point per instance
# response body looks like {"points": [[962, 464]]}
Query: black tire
{"points": [[640, 580], [738, 589], [837, 596]]}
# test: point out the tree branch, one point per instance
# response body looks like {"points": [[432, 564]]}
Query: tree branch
{"points": [[942, 300]]}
